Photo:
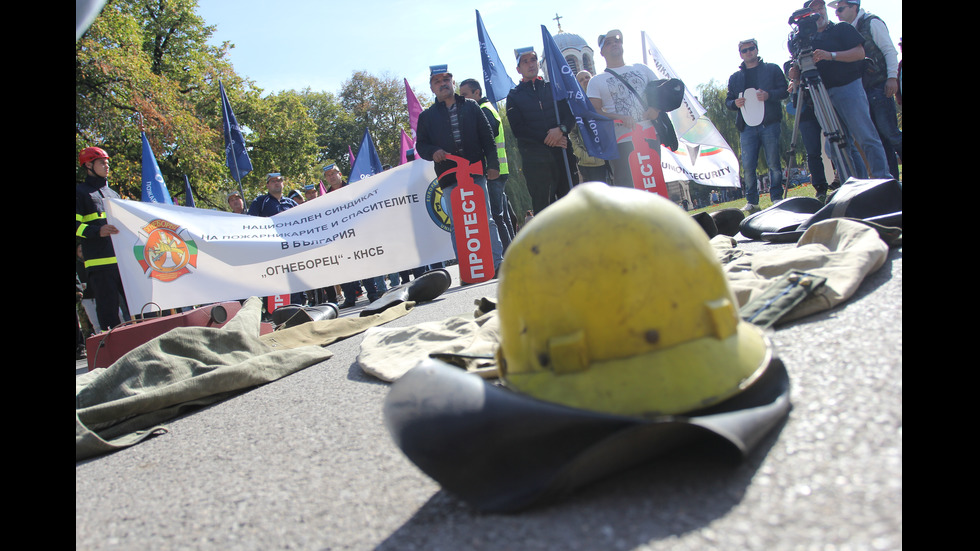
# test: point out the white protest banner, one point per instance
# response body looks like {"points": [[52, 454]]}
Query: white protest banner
{"points": [[173, 256], [703, 156]]}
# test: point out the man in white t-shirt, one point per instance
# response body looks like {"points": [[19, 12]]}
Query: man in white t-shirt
{"points": [[619, 93]]}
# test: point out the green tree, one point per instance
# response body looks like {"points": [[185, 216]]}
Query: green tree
{"points": [[147, 64], [335, 128], [283, 139], [379, 104]]}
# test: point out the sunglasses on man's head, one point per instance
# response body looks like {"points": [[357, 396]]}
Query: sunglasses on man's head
{"points": [[747, 50]]}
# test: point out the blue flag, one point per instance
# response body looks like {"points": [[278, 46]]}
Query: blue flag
{"points": [[367, 163], [154, 190], [497, 82], [598, 131], [188, 196], [237, 158]]}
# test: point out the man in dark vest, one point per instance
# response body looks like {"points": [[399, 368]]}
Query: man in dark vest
{"points": [[881, 84]]}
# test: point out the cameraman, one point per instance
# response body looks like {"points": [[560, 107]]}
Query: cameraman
{"points": [[838, 53]]}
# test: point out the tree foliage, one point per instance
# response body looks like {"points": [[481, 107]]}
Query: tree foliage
{"points": [[147, 64], [379, 104]]}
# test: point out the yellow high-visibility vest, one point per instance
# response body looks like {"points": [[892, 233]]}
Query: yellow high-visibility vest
{"points": [[499, 139]]}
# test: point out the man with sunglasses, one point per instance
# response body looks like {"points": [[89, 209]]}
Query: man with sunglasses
{"points": [[619, 93], [881, 84], [766, 83]]}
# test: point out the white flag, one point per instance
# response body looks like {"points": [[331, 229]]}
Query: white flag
{"points": [[703, 155]]}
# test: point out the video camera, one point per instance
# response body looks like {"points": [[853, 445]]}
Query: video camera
{"points": [[804, 23]]}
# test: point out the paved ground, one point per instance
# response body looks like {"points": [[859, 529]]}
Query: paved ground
{"points": [[305, 463]]}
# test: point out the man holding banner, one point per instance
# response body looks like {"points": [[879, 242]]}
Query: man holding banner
{"points": [[619, 94], [455, 125], [271, 204], [93, 229]]}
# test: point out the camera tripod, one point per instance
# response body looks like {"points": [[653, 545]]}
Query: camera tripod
{"points": [[833, 131]]}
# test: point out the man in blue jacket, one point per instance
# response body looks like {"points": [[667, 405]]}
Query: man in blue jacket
{"points": [[271, 204], [767, 84]]}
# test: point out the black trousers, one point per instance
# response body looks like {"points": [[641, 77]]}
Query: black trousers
{"points": [[107, 289], [546, 177]]}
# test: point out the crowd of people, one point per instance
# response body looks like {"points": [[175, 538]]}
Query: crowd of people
{"points": [[857, 65], [552, 153]]}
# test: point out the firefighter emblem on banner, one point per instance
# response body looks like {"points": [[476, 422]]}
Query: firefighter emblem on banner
{"points": [[164, 254]]}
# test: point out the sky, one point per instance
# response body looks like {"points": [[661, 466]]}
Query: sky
{"points": [[294, 44]]}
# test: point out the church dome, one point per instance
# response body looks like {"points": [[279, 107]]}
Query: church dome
{"points": [[569, 40], [576, 51]]}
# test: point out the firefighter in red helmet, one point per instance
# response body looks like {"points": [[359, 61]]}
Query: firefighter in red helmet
{"points": [[93, 231]]}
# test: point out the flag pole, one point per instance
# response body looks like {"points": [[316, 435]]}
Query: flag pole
{"points": [[564, 153], [554, 100], [224, 108]]}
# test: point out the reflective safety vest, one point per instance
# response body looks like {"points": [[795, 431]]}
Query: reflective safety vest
{"points": [[90, 216], [499, 138]]}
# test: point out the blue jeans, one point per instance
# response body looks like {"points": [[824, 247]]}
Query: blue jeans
{"points": [[884, 114], [501, 217], [851, 103], [495, 247], [766, 138]]}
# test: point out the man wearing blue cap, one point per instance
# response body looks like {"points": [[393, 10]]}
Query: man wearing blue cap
{"points": [[455, 125], [273, 202], [332, 178], [332, 181], [542, 135], [309, 192]]}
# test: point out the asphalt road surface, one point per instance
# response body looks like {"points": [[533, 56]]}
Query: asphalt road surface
{"points": [[306, 463]]}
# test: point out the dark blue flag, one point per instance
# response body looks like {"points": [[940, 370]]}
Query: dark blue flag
{"points": [[188, 196], [497, 82], [237, 158], [154, 189], [367, 163], [598, 131]]}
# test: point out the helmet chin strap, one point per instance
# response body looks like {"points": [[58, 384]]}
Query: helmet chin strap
{"points": [[92, 174]]}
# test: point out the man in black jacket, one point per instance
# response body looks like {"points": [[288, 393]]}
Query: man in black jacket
{"points": [[95, 233], [455, 125], [767, 84], [542, 136]]}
